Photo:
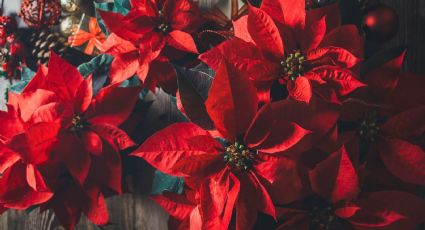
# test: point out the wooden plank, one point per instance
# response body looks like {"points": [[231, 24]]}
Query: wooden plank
{"points": [[411, 32]]}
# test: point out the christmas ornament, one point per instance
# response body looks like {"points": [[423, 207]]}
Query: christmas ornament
{"points": [[11, 56], [37, 13], [11, 49], [380, 23], [70, 5], [69, 25], [8, 27], [92, 36]]}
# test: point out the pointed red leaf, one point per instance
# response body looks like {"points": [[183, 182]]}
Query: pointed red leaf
{"points": [[112, 105], [106, 169], [96, 211], [36, 143], [29, 102], [183, 14], [312, 35], [343, 81], [35, 179], [11, 124], [63, 78], [331, 12], [335, 178], [200, 165], [167, 147], [84, 95], [175, 205], [7, 158], [403, 159], [347, 37], [253, 197], [112, 134], [272, 134], [218, 197], [15, 193], [232, 102], [182, 41], [333, 56], [118, 24], [388, 210], [245, 56], [124, 66], [72, 153], [406, 125], [291, 13], [265, 33], [240, 28]]}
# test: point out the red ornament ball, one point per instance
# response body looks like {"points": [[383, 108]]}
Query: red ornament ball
{"points": [[8, 27], [37, 13], [380, 23]]}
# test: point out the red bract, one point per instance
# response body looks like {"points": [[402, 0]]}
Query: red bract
{"points": [[312, 58], [86, 137], [232, 173], [184, 209], [337, 204], [389, 84], [148, 37], [395, 137], [23, 153]]}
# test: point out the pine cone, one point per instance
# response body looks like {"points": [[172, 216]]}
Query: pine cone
{"points": [[45, 40]]}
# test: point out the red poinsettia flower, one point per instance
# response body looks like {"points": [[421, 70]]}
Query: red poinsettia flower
{"points": [[234, 172], [395, 136], [337, 205], [312, 58], [148, 37], [24, 150], [88, 139]]}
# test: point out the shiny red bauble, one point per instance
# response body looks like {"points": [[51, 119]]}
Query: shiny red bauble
{"points": [[380, 23]]}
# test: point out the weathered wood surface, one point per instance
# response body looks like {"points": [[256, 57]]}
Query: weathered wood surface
{"points": [[411, 32], [132, 211]]}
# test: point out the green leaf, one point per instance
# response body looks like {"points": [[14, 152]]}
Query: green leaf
{"points": [[102, 61], [19, 86], [163, 182], [124, 3], [99, 68], [26, 73]]}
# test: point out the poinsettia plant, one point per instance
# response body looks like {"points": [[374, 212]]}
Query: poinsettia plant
{"points": [[281, 124]]}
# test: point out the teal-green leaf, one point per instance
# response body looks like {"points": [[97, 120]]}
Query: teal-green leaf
{"points": [[102, 61], [26, 73], [163, 182]]}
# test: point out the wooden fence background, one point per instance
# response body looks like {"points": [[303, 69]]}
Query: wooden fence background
{"points": [[135, 211]]}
